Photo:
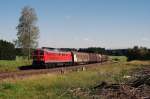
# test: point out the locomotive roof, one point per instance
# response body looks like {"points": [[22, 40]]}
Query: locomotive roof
{"points": [[55, 50]]}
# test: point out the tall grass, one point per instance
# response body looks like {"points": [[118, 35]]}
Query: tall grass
{"points": [[52, 86]]}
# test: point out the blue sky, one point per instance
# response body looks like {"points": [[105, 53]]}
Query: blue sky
{"points": [[82, 23]]}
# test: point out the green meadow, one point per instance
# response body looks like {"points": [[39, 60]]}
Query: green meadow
{"points": [[12, 65]]}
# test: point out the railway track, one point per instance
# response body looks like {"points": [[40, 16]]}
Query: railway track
{"points": [[58, 70]]}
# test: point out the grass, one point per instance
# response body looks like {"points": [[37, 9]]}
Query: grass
{"points": [[118, 58], [12, 65], [52, 86]]}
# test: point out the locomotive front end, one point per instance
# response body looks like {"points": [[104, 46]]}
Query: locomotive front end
{"points": [[38, 57]]}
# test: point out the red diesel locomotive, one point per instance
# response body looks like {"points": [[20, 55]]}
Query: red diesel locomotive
{"points": [[50, 58]]}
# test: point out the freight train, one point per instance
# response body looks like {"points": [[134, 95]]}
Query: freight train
{"points": [[52, 58]]}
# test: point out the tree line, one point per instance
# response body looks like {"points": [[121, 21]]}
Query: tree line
{"points": [[138, 53], [9, 52], [135, 53]]}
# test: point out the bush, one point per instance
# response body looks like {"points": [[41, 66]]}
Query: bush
{"points": [[137, 53], [7, 50]]}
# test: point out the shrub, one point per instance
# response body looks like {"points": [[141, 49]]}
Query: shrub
{"points": [[7, 50]]}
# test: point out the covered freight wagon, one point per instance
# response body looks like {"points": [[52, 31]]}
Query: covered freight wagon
{"points": [[80, 58]]}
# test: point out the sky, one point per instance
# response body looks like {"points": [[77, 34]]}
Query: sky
{"points": [[82, 23]]}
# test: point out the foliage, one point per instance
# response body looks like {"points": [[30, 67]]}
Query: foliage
{"points": [[138, 53], [135, 53], [28, 32], [92, 50], [19, 52], [68, 49], [7, 50], [117, 52]]}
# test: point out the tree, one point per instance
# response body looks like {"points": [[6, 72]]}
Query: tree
{"points": [[7, 50], [138, 53], [28, 32]]}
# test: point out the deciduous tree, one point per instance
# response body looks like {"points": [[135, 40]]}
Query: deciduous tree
{"points": [[28, 32]]}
